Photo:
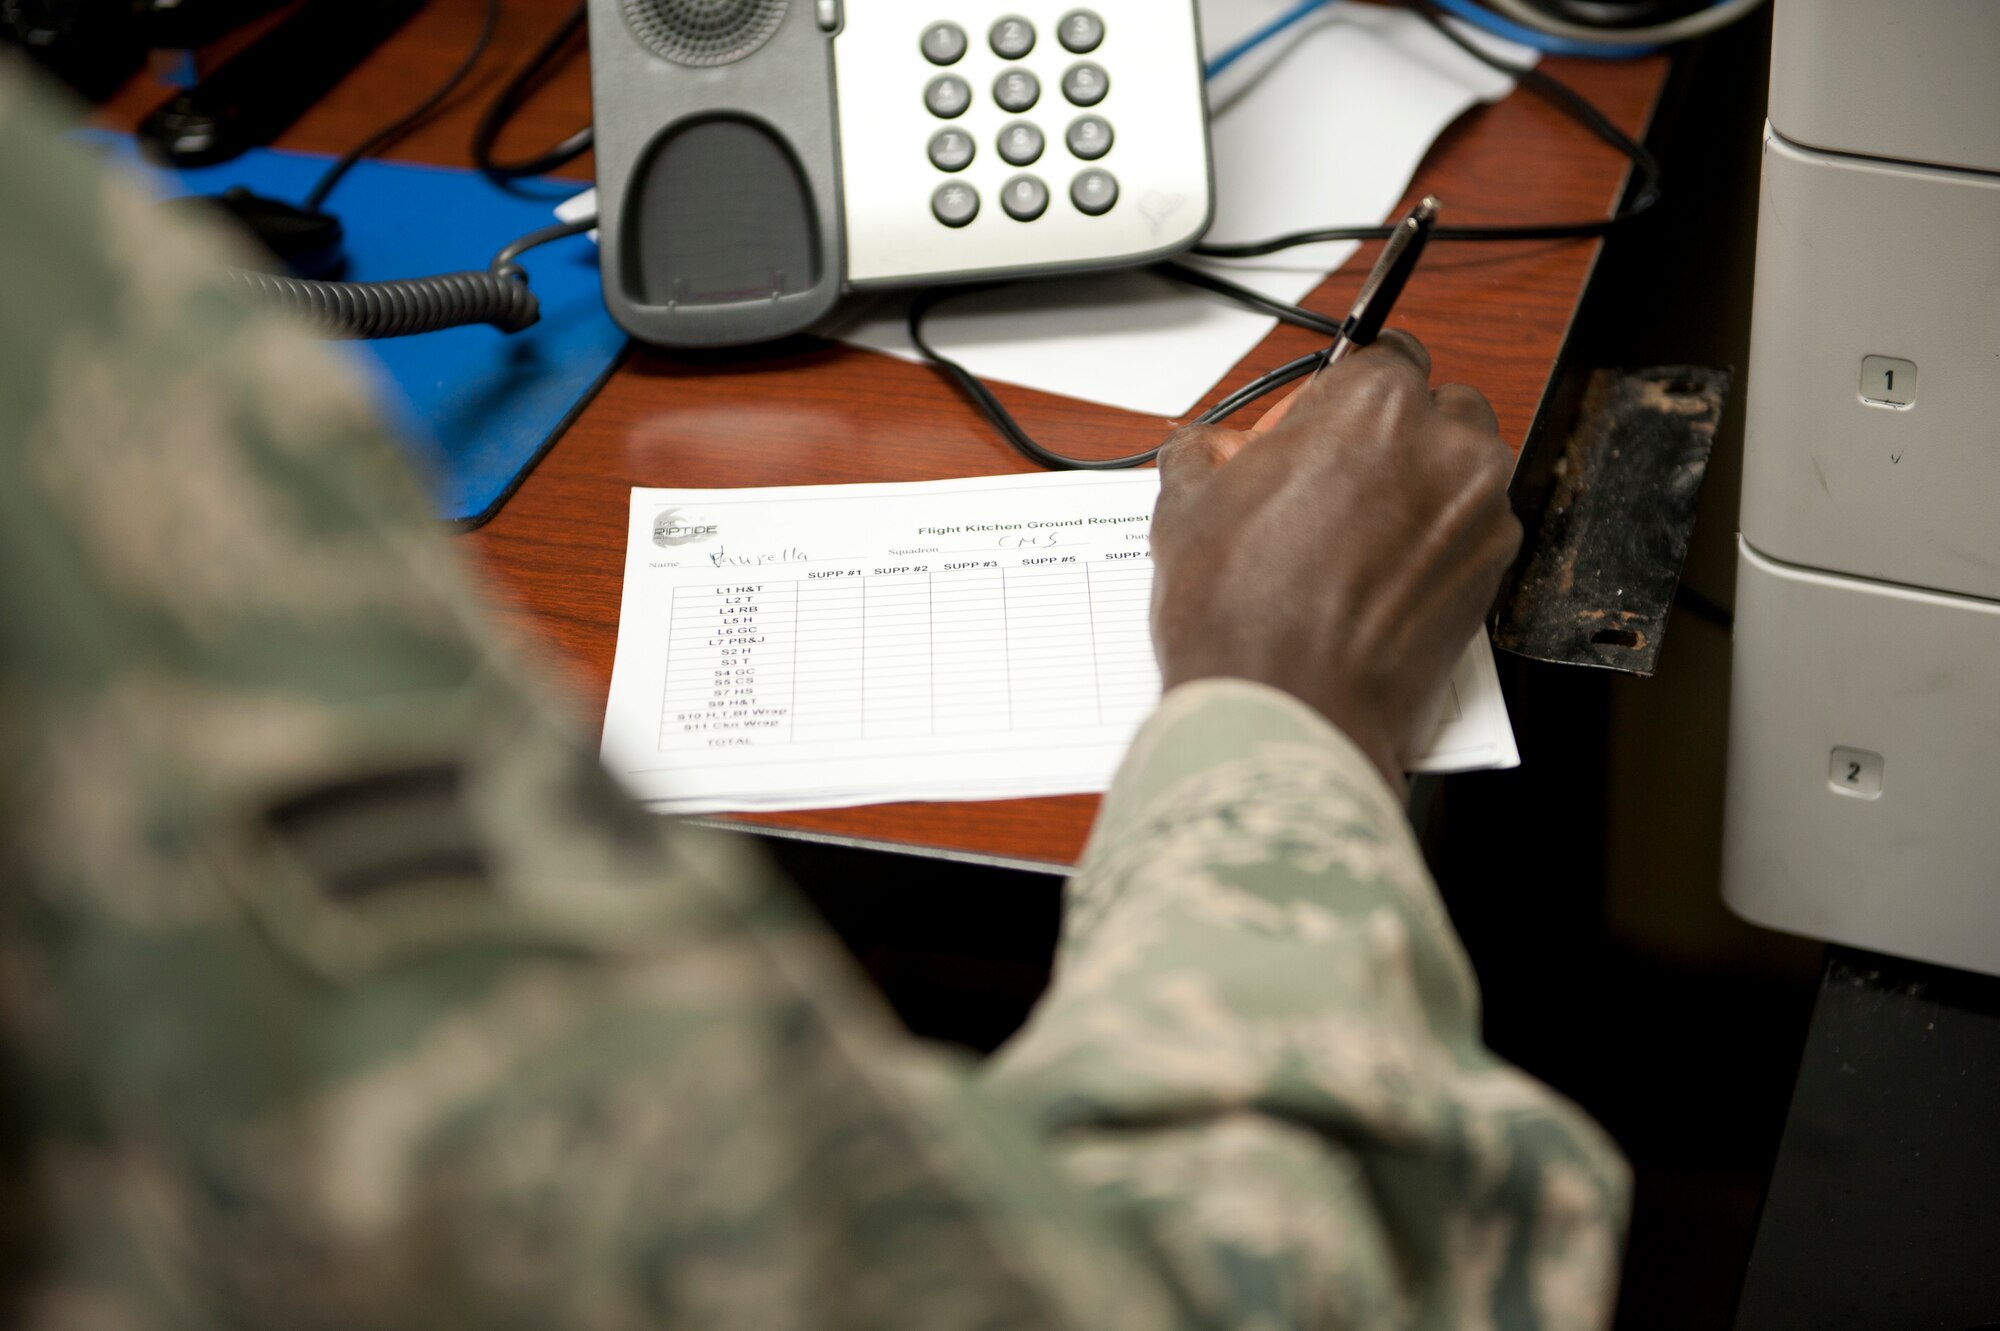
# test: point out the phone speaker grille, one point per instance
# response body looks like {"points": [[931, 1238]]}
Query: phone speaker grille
{"points": [[704, 33]]}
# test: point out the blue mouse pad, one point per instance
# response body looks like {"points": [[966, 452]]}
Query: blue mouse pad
{"points": [[477, 406]]}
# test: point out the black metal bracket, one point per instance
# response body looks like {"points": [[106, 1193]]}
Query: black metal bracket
{"points": [[1608, 516]]}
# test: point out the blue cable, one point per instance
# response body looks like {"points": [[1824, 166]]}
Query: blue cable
{"points": [[1264, 34], [1464, 10]]}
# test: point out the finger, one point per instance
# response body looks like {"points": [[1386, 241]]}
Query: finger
{"points": [[1396, 347], [1192, 454], [1276, 413], [1394, 342], [1466, 404]]}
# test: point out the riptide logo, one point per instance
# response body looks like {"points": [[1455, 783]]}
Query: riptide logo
{"points": [[670, 528]]}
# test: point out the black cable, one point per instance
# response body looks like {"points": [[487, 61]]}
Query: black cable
{"points": [[508, 102], [1556, 93], [1242, 295], [503, 264], [1010, 429], [1263, 386], [403, 124], [1612, 15]]}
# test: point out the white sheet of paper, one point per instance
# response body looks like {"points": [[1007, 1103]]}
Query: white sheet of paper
{"points": [[1324, 125], [813, 646]]}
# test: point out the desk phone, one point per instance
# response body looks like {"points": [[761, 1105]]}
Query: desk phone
{"points": [[757, 159]]}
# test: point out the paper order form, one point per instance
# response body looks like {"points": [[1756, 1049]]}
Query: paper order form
{"points": [[812, 646]]}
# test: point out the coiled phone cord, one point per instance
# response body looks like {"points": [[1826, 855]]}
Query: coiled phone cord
{"points": [[498, 296], [396, 308]]}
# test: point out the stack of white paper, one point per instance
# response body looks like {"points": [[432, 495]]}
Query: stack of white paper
{"points": [[813, 646]]}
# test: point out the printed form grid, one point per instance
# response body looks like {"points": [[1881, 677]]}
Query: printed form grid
{"points": [[947, 652]]}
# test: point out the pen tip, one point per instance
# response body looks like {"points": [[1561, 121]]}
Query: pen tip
{"points": [[1427, 209]]}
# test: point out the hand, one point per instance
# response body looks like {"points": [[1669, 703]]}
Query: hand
{"points": [[1343, 549]]}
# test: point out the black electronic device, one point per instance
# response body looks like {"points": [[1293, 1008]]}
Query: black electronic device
{"points": [[91, 45], [95, 45], [303, 241], [173, 24], [255, 95]]}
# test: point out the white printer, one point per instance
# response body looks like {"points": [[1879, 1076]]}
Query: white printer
{"points": [[1864, 748]]}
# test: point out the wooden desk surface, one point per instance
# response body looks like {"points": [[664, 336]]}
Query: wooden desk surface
{"points": [[1493, 315]]}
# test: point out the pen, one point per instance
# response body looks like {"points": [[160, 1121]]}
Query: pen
{"points": [[1385, 282]]}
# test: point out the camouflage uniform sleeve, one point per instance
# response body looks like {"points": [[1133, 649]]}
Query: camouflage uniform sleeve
{"points": [[338, 986], [1262, 1044]]}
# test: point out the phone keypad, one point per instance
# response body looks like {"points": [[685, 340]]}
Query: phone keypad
{"points": [[1093, 191]]}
